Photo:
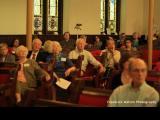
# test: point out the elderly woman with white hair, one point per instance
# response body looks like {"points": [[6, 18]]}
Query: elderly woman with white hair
{"points": [[27, 74], [62, 66]]}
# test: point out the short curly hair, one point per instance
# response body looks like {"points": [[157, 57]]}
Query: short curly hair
{"points": [[21, 47]]}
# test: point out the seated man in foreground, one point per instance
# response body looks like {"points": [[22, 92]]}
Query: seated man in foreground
{"points": [[138, 93]]}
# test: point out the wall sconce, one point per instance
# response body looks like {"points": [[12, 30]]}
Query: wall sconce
{"points": [[78, 27]]}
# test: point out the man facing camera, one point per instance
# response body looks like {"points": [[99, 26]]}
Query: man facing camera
{"points": [[138, 93], [37, 53], [4, 55]]}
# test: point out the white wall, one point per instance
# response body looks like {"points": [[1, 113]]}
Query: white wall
{"points": [[157, 16], [85, 12], [133, 16], [13, 16]]}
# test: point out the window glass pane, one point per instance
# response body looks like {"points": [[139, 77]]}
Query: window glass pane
{"points": [[102, 17], [53, 15], [52, 11], [112, 9], [37, 2], [37, 10], [111, 15], [53, 3], [38, 15]]}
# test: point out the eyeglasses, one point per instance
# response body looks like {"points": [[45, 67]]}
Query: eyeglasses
{"points": [[139, 70]]}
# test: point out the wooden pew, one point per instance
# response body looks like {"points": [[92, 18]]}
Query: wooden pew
{"points": [[54, 103], [7, 83], [94, 97]]}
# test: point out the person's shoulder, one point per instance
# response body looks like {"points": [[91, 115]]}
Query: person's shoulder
{"points": [[63, 55], [117, 51], [72, 51], [72, 40], [86, 51], [11, 55], [149, 88], [122, 88], [31, 61]]}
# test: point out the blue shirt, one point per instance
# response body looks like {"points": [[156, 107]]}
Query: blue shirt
{"points": [[62, 63]]}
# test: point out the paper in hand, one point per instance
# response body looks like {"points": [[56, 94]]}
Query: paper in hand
{"points": [[62, 83]]}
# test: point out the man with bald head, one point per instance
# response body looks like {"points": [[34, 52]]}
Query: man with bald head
{"points": [[138, 93]]}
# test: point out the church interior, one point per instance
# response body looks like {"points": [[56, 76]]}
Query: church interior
{"points": [[79, 53]]}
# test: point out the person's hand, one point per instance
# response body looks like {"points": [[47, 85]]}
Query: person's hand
{"points": [[18, 97], [81, 73], [41, 62], [48, 78], [67, 73], [101, 69], [112, 50]]}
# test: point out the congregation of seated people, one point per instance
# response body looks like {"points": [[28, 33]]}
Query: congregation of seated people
{"points": [[120, 69]]}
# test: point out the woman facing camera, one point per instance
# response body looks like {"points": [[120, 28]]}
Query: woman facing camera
{"points": [[62, 66], [27, 74]]}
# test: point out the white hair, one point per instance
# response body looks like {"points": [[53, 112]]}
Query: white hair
{"points": [[37, 40], [79, 40], [21, 47], [58, 45], [48, 46]]}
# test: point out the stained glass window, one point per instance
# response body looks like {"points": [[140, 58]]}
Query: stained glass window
{"points": [[112, 16], [53, 15], [109, 15], [102, 24], [38, 15], [49, 22]]}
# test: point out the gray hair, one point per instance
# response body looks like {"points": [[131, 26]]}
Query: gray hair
{"points": [[48, 46], [58, 45], [110, 39], [37, 40], [21, 47], [3, 45], [79, 40]]}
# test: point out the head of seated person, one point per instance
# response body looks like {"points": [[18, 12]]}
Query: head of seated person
{"points": [[15, 44], [80, 44], [5, 56], [111, 44], [3, 49], [66, 36], [37, 44], [48, 46], [22, 53]]}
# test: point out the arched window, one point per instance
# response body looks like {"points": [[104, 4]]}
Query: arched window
{"points": [[110, 16], [48, 16]]}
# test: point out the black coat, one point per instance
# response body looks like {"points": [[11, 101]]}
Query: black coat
{"points": [[41, 57]]}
